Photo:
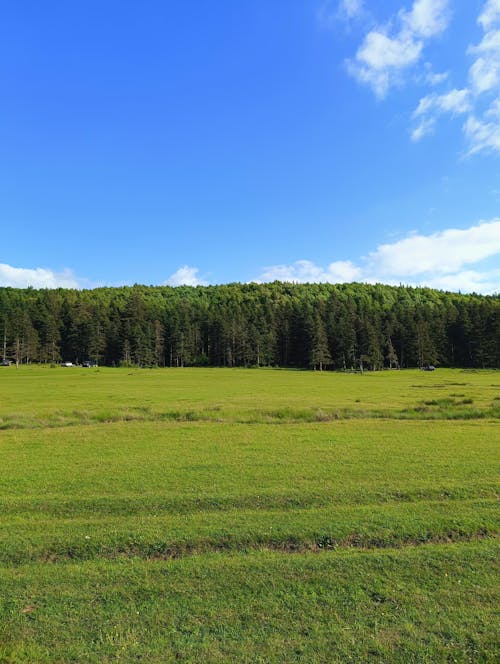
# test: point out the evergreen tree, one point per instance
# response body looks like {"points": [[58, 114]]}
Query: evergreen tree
{"points": [[320, 354], [291, 325]]}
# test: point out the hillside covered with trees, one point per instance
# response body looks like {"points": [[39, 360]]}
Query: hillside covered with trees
{"points": [[343, 327]]}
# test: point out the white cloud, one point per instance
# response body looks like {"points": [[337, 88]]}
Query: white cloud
{"points": [[424, 128], [39, 277], [482, 136], [490, 14], [343, 271], [380, 52], [333, 11], [480, 100], [351, 8], [483, 133], [185, 276], [444, 252], [467, 281], [484, 73], [438, 78], [494, 109], [380, 60], [433, 78], [304, 271], [434, 105], [383, 58], [388, 53], [455, 101], [440, 260], [427, 18], [490, 43]]}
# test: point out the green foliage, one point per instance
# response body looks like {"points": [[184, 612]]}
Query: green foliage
{"points": [[343, 326]]}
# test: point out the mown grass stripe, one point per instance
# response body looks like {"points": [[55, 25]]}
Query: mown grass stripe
{"points": [[96, 508], [431, 603], [177, 550]]}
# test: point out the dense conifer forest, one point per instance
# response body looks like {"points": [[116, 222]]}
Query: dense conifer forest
{"points": [[321, 326]]}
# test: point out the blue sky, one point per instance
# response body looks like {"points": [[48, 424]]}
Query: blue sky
{"points": [[305, 140]]}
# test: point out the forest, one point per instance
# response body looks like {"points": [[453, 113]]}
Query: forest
{"points": [[319, 326]]}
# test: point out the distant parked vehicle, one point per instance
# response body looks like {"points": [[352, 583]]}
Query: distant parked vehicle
{"points": [[5, 363], [89, 363], [429, 367], [67, 364]]}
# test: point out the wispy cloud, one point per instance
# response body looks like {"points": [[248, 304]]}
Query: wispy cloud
{"points": [[351, 8], [484, 73], [483, 135], [439, 260], [332, 11], [424, 128], [389, 51], [185, 276], [490, 14], [455, 101], [38, 277], [432, 106], [482, 131], [480, 100], [432, 78]]}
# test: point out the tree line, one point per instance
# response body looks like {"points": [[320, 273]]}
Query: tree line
{"points": [[320, 326]]}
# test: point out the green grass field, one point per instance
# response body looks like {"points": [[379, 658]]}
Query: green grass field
{"points": [[216, 515]]}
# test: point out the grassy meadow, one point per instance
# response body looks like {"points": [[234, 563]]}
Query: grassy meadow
{"points": [[224, 515]]}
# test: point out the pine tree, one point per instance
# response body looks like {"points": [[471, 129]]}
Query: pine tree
{"points": [[320, 354]]}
